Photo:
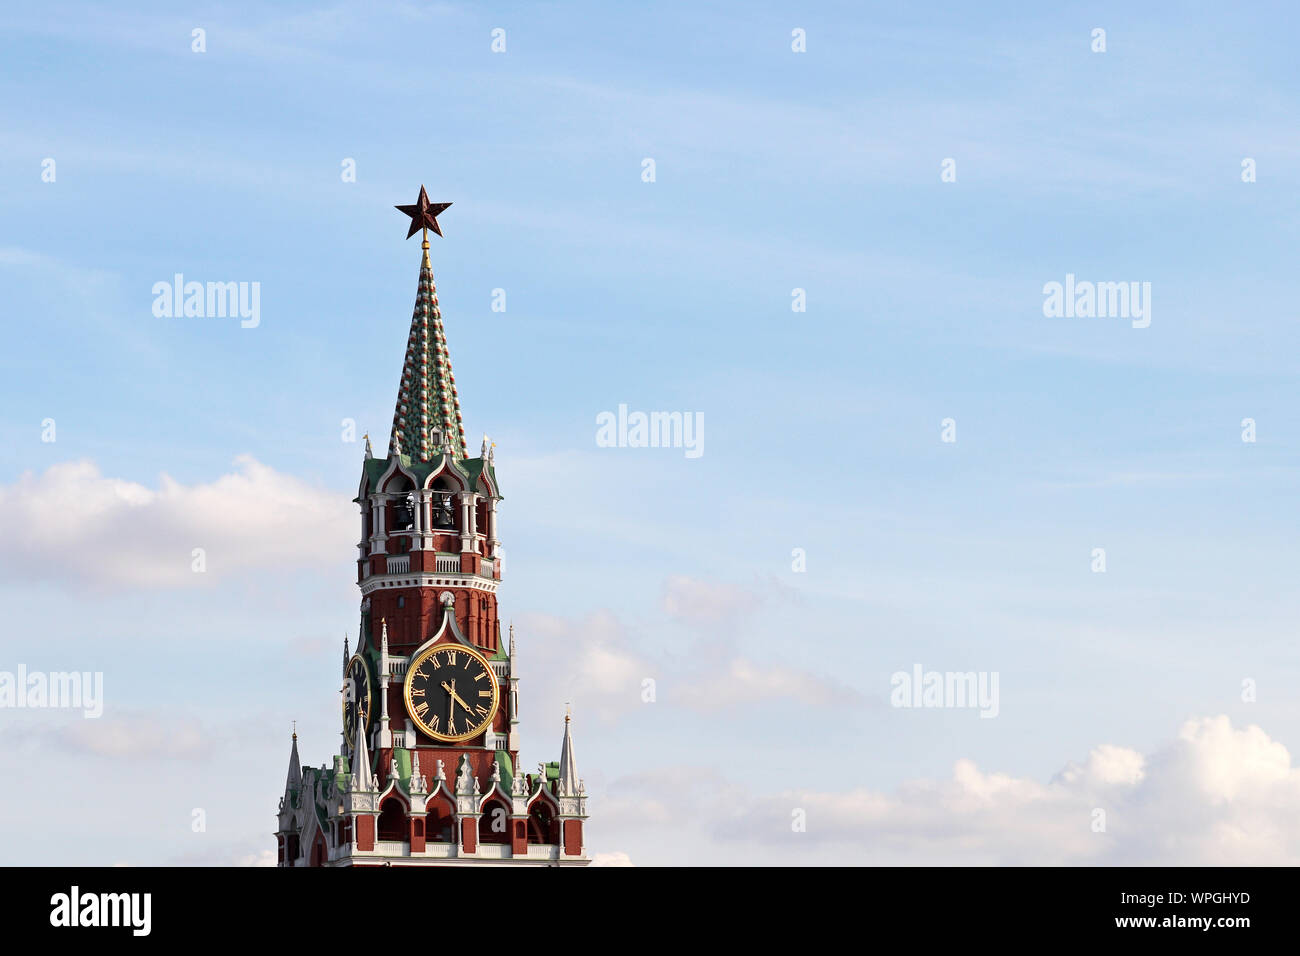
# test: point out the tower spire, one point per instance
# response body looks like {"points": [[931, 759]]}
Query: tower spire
{"points": [[567, 786], [363, 778], [294, 777], [427, 420]]}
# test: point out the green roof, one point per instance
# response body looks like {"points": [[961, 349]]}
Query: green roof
{"points": [[373, 469]]}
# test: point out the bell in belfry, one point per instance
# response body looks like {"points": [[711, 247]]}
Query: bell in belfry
{"points": [[443, 516], [403, 515]]}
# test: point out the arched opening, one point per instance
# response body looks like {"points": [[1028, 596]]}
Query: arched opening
{"points": [[401, 514], [543, 822], [392, 820], [444, 507], [440, 824], [318, 851], [494, 824]]}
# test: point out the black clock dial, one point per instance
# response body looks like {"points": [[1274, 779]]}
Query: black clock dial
{"points": [[451, 692], [356, 697]]}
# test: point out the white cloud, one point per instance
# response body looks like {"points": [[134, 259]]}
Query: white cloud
{"points": [[611, 859], [131, 736], [247, 853], [1215, 795], [592, 663], [73, 524], [600, 666], [706, 602], [264, 858], [135, 736]]}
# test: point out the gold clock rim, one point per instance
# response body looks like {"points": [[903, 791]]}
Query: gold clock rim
{"points": [[366, 668], [414, 666]]}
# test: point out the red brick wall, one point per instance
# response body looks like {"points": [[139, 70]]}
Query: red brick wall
{"points": [[573, 837], [365, 832]]}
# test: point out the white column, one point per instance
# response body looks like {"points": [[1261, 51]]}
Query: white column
{"points": [[379, 533], [473, 520], [367, 530], [426, 520], [465, 538]]}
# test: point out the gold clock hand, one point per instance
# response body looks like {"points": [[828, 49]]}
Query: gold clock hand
{"points": [[455, 696]]}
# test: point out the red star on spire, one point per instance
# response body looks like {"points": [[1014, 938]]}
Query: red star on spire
{"points": [[424, 214]]}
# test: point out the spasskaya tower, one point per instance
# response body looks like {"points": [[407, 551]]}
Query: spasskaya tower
{"points": [[428, 771]]}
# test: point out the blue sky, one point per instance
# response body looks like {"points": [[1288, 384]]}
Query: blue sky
{"points": [[775, 170]]}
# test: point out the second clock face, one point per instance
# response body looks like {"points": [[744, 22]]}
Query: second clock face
{"points": [[451, 692], [356, 697]]}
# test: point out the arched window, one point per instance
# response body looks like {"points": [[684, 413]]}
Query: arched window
{"points": [[392, 820], [494, 825], [543, 822], [440, 824]]}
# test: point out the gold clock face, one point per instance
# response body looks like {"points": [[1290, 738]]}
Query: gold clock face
{"points": [[356, 697], [451, 692]]}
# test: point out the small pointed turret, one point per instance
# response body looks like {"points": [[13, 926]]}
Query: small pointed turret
{"points": [[416, 784], [294, 780], [567, 786], [385, 733], [465, 782], [363, 778]]}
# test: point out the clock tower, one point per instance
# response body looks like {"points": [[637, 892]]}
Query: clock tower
{"points": [[428, 768]]}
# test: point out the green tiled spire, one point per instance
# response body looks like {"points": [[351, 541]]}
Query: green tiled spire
{"points": [[427, 399]]}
